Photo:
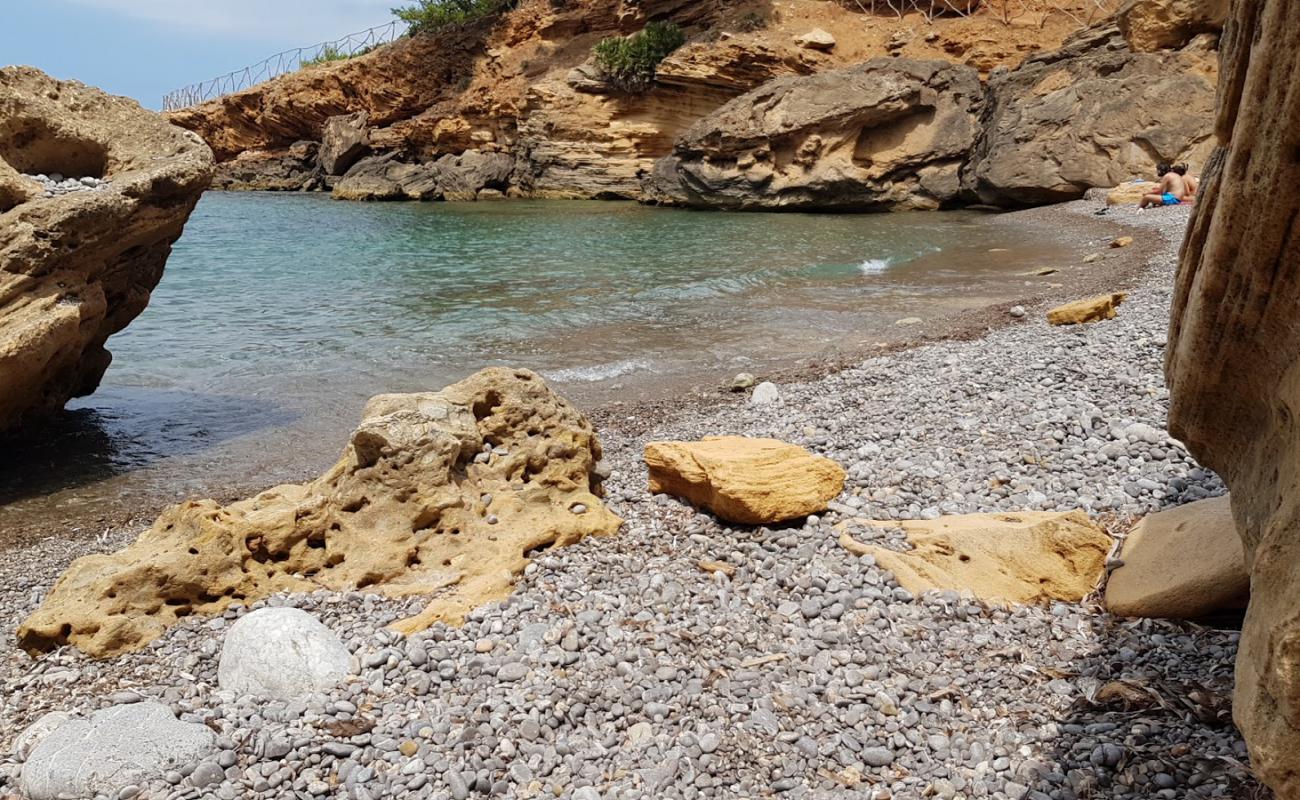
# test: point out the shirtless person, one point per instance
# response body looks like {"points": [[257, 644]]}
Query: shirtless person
{"points": [[1191, 182], [1173, 189]]}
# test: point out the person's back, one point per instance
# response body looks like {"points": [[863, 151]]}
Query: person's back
{"points": [[1171, 183], [1189, 183], [1173, 189]]}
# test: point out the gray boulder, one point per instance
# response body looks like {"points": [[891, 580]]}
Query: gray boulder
{"points": [[452, 177], [281, 654], [1091, 114], [344, 140], [890, 133], [113, 748]]}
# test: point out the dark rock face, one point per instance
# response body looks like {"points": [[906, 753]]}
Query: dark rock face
{"points": [[290, 170], [344, 140], [77, 267], [1233, 363], [1089, 115], [886, 134], [464, 177]]}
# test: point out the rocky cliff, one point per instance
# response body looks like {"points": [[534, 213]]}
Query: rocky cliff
{"points": [[525, 86], [83, 243], [1233, 364]]}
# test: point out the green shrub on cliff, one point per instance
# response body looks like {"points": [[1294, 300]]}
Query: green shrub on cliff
{"points": [[327, 54], [428, 16], [629, 62]]}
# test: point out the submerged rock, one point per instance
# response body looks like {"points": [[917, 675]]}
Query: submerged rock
{"points": [[116, 747], [1090, 309], [445, 492], [1030, 557], [888, 133], [749, 481], [78, 267], [1183, 563], [281, 654]]}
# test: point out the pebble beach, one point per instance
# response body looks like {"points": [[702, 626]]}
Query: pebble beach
{"points": [[620, 669]]}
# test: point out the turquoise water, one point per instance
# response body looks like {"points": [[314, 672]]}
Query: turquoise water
{"points": [[279, 314]]}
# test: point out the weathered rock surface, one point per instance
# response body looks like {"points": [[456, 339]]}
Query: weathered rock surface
{"points": [[1130, 192], [343, 141], [749, 481], [1031, 557], [281, 654], [77, 268], [1093, 114], [289, 170], [1233, 361], [463, 177], [1183, 563], [890, 133], [816, 39], [1150, 25], [114, 748], [439, 493], [1090, 309]]}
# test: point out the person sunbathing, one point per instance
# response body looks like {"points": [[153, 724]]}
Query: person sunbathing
{"points": [[1173, 189]]}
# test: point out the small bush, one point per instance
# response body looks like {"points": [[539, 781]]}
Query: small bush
{"points": [[429, 16], [327, 54], [629, 63]]}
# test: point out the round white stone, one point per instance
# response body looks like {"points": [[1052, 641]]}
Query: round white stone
{"points": [[281, 654]]}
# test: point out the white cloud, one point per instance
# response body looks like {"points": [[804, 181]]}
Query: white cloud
{"points": [[302, 22]]}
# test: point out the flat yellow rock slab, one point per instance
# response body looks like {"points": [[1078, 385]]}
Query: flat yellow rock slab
{"points": [[1183, 563], [1092, 309], [748, 481], [1031, 557]]}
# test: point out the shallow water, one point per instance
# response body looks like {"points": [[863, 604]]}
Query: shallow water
{"points": [[279, 314]]}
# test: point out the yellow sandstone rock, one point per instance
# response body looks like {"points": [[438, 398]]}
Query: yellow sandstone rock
{"points": [[1030, 557], [1183, 563], [1130, 193], [749, 481], [443, 494], [1092, 309], [1122, 241]]}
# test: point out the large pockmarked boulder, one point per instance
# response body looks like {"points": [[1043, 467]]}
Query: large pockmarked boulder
{"points": [[1090, 309], [344, 139], [1093, 114], [1181, 563], [113, 748], [1027, 557], [886, 134], [281, 654], [443, 494], [743, 480], [1233, 361], [77, 267], [1150, 25]]}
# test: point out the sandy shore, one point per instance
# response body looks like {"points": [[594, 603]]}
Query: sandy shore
{"points": [[809, 673]]}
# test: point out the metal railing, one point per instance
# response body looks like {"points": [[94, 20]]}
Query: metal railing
{"points": [[353, 44]]}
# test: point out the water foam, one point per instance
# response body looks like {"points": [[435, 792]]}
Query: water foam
{"points": [[598, 372], [875, 266]]}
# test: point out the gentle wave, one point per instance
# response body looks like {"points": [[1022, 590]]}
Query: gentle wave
{"points": [[598, 372], [875, 266]]}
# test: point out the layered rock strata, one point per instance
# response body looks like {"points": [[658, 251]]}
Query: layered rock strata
{"points": [[890, 133], [77, 267], [1233, 361], [445, 494]]}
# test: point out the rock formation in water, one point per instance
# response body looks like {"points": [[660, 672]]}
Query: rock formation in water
{"points": [[1233, 363], [890, 133], [444, 494], [1092, 114], [525, 86], [78, 266]]}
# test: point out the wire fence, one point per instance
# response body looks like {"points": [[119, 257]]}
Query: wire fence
{"points": [[354, 44]]}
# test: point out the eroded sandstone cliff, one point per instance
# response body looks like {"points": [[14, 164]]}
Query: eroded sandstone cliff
{"points": [[1233, 364], [524, 85], [78, 265]]}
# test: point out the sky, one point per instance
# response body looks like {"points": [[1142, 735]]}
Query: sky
{"points": [[145, 48]]}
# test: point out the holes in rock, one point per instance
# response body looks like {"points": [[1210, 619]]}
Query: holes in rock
{"points": [[963, 558], [335, 559], [356, 505], [412, 559], [483, 408], [34, 147], [427, 519], [316, 542], [537, 550], [194, 551]]}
